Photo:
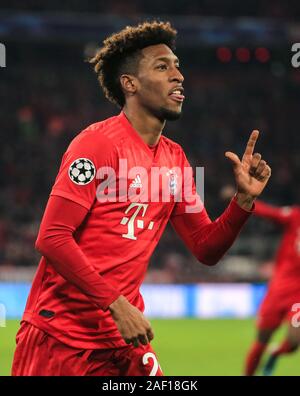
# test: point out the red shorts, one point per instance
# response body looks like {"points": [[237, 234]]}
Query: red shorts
{"points": [[38, 353], [276, 307]]}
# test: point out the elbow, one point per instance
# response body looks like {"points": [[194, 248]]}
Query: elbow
{"points": [[210, 255], [208, 261], [38, 244], [49, 240], [41, 245], [207, 258]]}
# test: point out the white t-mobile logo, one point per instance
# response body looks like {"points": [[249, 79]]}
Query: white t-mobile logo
{"points": [[130, 221]]}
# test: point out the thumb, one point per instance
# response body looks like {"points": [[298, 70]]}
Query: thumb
{"points": [[233, 158]]}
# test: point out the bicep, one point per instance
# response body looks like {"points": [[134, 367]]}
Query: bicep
{"points": [[61, 214]]}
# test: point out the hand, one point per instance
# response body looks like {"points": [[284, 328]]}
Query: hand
{"points": [[251, 174], [131, 323]]}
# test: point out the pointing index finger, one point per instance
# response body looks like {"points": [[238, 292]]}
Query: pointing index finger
{"points": [[251, 143]]}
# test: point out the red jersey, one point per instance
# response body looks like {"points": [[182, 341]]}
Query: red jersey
{"points": [[119, 235], [287, 268], [118, 238]]}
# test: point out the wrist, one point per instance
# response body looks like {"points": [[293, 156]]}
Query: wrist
{"points": [[117, 305], [245, 201]]}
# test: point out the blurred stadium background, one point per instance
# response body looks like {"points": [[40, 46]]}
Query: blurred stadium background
{"points": [[236, 59]]}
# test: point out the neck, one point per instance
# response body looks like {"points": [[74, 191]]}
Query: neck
{"points": [[147, 126]]}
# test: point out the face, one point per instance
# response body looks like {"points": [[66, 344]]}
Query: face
{"points": [[159, 82]]}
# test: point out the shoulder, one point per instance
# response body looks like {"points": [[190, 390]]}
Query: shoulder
{"points": [[173, 146], [177, 151], [296, 210], [96, 136]]}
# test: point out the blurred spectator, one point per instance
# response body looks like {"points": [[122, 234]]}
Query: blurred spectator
{"points": [[47, 99]]}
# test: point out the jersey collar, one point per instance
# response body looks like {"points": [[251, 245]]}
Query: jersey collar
{"points": [[136, 137]]}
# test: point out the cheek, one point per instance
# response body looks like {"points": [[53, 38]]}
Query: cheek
{"points": [[151, 91]]}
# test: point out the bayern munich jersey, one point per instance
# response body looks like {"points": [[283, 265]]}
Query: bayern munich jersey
{"points": [[286, 274], [107, 169]]}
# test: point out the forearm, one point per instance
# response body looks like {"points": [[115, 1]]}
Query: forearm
{"points": [[56, 242], [216, 238], [208, 240], [69, 261]]}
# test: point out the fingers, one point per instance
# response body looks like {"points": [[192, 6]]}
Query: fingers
{"points": [[150, 334], [132, 325], [259, 168], [251, 143], [143, 339], [248, 152], [233, 158], [254, 163], [266, 173], [135, 341]]}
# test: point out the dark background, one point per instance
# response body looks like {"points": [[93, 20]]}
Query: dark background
{"points": [[236, 59]]}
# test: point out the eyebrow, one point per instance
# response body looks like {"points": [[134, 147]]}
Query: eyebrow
{"points": [[166, 59]]}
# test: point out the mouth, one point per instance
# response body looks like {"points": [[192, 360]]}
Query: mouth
{"points": [[177, 94]]}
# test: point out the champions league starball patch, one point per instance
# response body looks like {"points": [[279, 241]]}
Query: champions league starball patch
{"points": [[82, 171]]}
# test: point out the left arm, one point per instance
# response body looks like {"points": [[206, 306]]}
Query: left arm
{"points": [[209, 240]]}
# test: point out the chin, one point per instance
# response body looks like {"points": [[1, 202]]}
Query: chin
{"points": [[170, 115]]}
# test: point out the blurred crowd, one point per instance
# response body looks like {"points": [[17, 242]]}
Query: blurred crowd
{"points": [[253, 8], [49, 94]]}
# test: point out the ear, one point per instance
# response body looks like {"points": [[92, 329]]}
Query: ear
{"points": [[128, 83]]}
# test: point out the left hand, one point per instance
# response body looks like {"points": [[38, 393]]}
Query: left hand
{"points": [[251, 173]]}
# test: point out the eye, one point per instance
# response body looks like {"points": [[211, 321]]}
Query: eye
{"points": [[162, 66]]}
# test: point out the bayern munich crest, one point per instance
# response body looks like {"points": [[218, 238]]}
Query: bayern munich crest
{"points": [[172, 182], [82, 171]]}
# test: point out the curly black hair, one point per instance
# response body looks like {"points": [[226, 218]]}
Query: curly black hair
{"points": [[121, 54]]}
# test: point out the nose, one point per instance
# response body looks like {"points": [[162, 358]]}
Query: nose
{"points": [[176, 75]]}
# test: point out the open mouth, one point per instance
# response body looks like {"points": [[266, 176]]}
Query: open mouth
{"points": [[177, 94]]}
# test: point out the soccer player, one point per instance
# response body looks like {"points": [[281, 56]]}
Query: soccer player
{"points": [[84, 314], [282, 300]]}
